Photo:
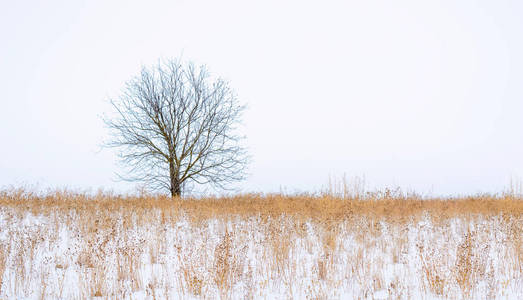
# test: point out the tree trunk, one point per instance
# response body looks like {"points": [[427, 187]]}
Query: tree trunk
{"points": [[176, 187], [176, 190]]}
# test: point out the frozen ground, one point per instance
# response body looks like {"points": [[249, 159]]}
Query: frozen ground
{"points": [[156, 256]]}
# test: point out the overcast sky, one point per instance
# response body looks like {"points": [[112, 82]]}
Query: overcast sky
{"points": [[425, 95]]}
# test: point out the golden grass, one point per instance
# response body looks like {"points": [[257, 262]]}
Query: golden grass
{"points": [[141, 232], [325, 209]]}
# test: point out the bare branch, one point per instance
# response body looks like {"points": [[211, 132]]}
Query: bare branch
{"points": [[175, 126]]}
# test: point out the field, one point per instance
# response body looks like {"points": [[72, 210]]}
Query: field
{"points": [[382, 245]]}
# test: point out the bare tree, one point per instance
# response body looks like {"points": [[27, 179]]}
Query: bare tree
{"points": [[175, 126]]}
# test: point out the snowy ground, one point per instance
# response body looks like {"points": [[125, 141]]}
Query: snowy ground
{"points": [[131, 256]]}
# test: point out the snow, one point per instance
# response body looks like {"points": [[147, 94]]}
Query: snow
{"points": [[57, 257]]}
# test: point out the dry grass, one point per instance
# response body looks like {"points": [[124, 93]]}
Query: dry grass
{"points": [[301, 246], [97, 210], [3, 259]]}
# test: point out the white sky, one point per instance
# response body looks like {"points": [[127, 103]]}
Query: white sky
{"points": [[426, 95]]}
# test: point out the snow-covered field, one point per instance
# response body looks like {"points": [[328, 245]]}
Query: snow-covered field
{"points": [[68, 247]]}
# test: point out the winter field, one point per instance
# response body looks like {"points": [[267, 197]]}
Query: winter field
{"points": [[383, 245]]}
